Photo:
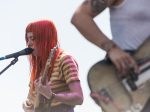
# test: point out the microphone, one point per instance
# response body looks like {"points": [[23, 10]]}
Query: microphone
{"points": [[25, 51]]}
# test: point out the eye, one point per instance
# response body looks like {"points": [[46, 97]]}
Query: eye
{"points": [[32, 38]]}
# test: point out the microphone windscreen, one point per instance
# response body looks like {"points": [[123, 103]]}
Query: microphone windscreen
{"points": [[28, 51]]}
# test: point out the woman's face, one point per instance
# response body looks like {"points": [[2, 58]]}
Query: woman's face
{"points": [[31, 43]]}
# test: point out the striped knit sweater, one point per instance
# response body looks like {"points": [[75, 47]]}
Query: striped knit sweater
{"points": [[64, 72]]}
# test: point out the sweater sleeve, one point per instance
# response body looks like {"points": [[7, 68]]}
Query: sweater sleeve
{"points": [[70, 69]]}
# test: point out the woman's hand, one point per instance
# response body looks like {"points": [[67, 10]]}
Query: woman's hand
{"points": [[44, 90], [27, 106], [122, 60]]}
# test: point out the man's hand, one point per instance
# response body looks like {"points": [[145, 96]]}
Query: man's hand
{"points": [[122, 60]]}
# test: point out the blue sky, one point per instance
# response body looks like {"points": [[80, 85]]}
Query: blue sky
{"points": [[15, 15]]}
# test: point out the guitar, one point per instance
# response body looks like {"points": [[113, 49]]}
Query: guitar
{"points": [[41, 104], [115, 94]]}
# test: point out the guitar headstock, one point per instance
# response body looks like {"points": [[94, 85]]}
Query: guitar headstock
{"points": [[52, 52]]}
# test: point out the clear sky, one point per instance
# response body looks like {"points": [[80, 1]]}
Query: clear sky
{"points": [[14, 17]]}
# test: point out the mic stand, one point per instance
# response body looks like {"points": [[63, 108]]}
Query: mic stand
{"points": [[11, 63]]}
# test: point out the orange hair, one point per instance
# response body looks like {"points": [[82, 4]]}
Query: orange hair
{"points": [[45, 35]]}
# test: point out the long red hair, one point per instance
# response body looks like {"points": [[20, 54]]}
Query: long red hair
{"points": [[45, 34]]}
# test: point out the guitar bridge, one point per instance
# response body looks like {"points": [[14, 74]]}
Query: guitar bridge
{"points": [[143, 77]]}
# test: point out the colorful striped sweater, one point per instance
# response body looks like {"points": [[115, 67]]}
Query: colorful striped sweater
{"points": [[64, 72]]}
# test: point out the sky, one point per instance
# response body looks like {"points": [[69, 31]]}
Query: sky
{"points": [[14, 17]]}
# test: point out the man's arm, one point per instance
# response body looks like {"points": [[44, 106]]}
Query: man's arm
{"points": [[83, 20]]}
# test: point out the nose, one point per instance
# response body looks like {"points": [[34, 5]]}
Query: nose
{"points": [[30, 43]]}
